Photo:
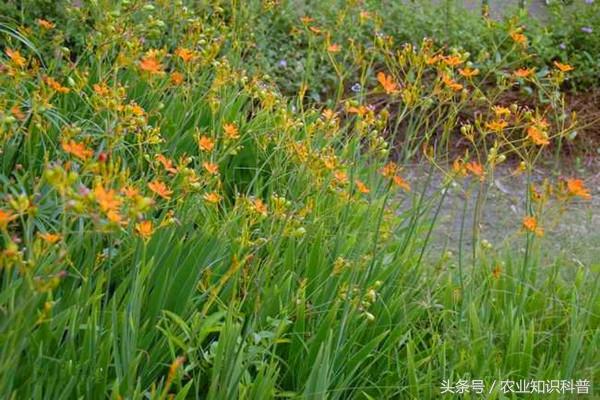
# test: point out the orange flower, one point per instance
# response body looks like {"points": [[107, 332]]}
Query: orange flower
{"points": [[361, 111], [16, 57], [496, 125], [314, 29], [259, 206], [496, 272], [306, 20], [387, 82], [5, 218], [453, 60], [468, 72], [211, 168], [476, 169], [451, 83], [576, 187], [537, 135], [186, 55], [401, 183], [433, 59], [458, 166], [519, 38], [177, 78], [114, 217], [563, 67], [531, 224], [524, 72], [55, 85], [79, 150], [334, 48], [160, 189], [144, 229], [166, 163], [361, 187], [129, 191], [212, 197], [50, 237], [231, 131], [17, 113], [107, 199], [206, 144], [45, 23], [389, 170], [501, 111], [101, 89], [149, 63]]}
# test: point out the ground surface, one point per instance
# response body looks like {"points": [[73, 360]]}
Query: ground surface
{"points": [[572, 233]]}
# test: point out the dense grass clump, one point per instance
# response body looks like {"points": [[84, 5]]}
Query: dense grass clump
{"points": [[177, 223]]}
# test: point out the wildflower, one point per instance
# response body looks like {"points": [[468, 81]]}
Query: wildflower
{"points": [[107, 199], [587, 29], [45, 24], [211, 168], [361, 111], [356, 88], [328, 114], [537, 135], [149, 63], [205, 143], [144, 229], [186, 55], [306, 20], [501, 111], [361, 187], [341, 177], [314, 29], [79, 150], [53, 83], [401, 183], [453, 60], [129, 191], [458, 166], [231, 131], [433, 59], [389, 170], [563, 67], [334, 48], [576, 187], [524, 72], [519, 38], [468, 72], [16, 57], [166, 163], [451, 83], [177, 78], [259, 206], [17, 113], [530, 223], [101, 89], [497, 125], [160, 189], [50, 238], [387, 82], [496, 272], [5, 218], [476, 169], [212, 197]]}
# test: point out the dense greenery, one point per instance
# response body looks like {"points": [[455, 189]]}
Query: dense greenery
{"points": [[211, 200]]}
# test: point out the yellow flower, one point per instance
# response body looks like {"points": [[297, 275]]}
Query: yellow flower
{"points": [[519, 38], [160, 189], [496, 125], [530, 223], [144, 229], [101, 89], [50, 238], [537, 135], [576, 187]]}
